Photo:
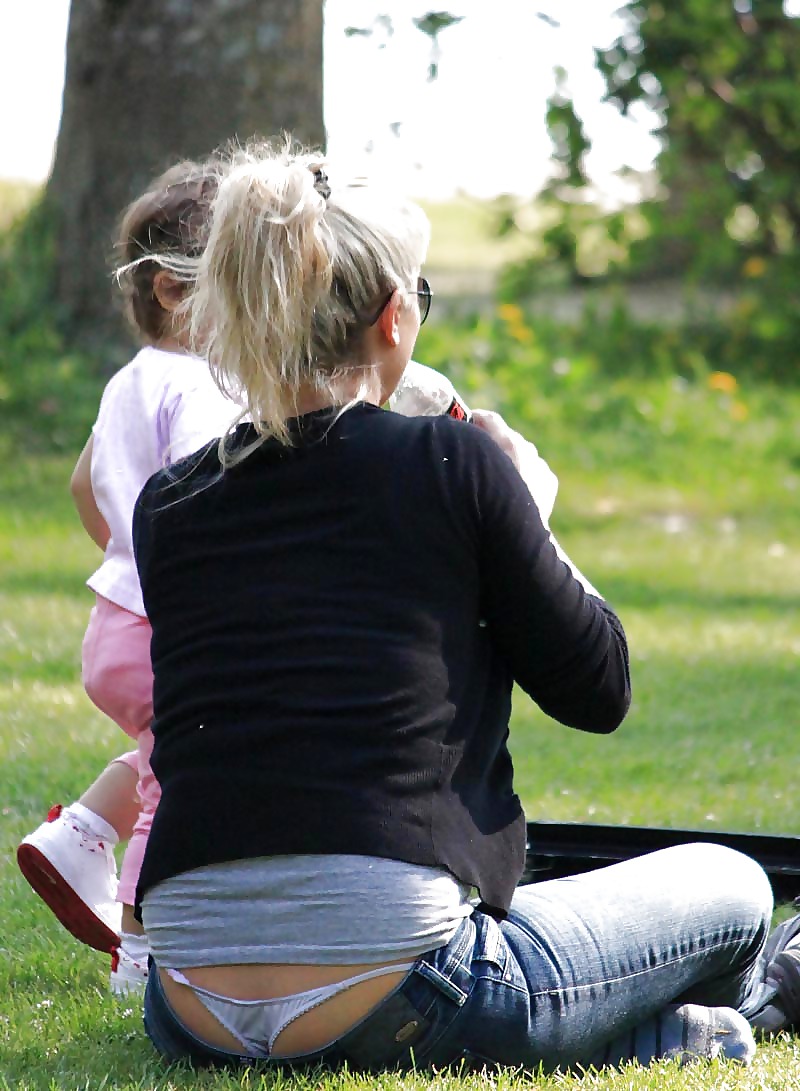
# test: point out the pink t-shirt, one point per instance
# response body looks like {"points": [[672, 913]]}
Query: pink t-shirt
{"points": [[155, 410]]}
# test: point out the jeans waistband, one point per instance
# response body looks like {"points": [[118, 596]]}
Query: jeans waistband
{"points": [[404, 1026], [414, 1015]]}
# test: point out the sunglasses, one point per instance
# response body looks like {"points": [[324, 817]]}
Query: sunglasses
{"points": [[423, 294]]}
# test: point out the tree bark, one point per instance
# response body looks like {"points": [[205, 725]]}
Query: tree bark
{"points": [[149, 82]]}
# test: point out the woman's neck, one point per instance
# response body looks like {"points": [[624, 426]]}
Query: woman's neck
{"points": [[310, 400]]}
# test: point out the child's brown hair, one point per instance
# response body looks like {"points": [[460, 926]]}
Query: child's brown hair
{"points": [[170, 217]]}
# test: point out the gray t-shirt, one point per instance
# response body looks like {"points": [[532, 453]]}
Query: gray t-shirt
{"points": [[309, 909]]}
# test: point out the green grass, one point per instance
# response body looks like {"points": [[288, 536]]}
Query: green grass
{"points": [[15, 198], [465, 255], [700, 557], [715, 641]]}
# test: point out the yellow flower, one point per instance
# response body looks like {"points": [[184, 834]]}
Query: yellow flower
{"points": [[514, 318], [754, 267], [738, 411], [511, 313], [722, 381], [520, 332]]}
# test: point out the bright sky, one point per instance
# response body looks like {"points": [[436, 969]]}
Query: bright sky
{"points": [[478, 128]]}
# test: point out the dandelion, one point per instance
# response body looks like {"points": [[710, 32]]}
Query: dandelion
{"points": [[722, 381], [738, 411], [675, 523], [514, 318], [520, 332], [510, 312], [754, 267]]}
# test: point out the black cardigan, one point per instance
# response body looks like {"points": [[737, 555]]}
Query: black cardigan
{"points": [[336, 630]]}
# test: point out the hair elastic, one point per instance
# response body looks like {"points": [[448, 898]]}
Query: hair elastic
{"points": [[321, 183]]}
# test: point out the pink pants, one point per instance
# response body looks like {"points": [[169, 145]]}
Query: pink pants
{"points": [[118, 678]]}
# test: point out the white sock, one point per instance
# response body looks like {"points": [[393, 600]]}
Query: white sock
{"points": [[92, 823], [714, 1032], [688, 1032], [135, 946]]}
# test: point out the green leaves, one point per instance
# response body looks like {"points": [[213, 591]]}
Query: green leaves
{"points": [[434, 22], [48, 395], [723, 77]]}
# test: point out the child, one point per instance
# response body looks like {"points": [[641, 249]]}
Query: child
{"points": [[160, 407]]}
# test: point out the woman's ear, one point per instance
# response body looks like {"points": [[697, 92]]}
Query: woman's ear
{"points": [[167, 290], [389, 320]]}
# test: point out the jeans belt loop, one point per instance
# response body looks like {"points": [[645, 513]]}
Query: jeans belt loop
{"points": [[442, 983]]}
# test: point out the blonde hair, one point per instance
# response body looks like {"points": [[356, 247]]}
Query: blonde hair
{"points": [[290, 278]]}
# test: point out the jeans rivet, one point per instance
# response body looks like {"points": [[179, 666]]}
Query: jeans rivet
{"points": [[406, 1031]]}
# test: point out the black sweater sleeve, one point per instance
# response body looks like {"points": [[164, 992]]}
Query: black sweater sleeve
{"points": [[566, 648]]}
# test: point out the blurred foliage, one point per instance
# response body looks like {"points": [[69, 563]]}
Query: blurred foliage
{"points": [[431, 24], [723, 77], [613, 392], [48, 395], [571, 240]]}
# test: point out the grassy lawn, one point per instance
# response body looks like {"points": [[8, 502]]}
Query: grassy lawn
{"points": [[713, 622], [704, 569], [678, 500]]}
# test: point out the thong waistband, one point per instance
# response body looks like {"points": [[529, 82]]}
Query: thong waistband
{"points": [[255, 1024]]}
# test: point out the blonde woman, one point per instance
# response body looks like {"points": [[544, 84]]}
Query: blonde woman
{"points": [[341, 600]]}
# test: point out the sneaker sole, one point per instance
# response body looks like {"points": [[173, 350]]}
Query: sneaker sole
{"points": [[58, 895]]}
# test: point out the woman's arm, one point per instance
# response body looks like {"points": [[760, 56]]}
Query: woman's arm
{"points": [[81, 488], [564, 645], [541, 481]]}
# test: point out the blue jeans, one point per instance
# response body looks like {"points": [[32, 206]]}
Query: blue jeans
{"points": [[580, 973]]}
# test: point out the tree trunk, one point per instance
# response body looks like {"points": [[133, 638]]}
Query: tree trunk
{"points": [[149, 82]]}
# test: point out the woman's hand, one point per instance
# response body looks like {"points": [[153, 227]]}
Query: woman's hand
{"points": [[506, 438], [541, 481]]}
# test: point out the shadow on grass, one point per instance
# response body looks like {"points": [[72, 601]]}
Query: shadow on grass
{"points": [[622, 591]]}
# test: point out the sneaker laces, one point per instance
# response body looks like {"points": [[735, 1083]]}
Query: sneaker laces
{"points": [[116, 959], [90, 840]]}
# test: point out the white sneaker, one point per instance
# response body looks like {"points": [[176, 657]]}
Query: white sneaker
{"points": [[129, 967], [75, 874]]}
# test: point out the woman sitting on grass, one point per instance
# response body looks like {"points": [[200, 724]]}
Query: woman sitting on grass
{"points": [[341, 600]]}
